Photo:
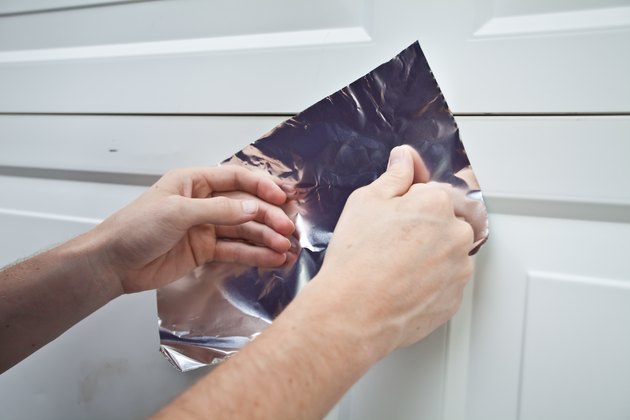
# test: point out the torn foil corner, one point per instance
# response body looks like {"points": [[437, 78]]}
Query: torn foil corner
{"points": [[339, 144]]}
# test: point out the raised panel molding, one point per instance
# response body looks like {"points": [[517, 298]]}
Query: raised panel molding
{"points": [[575, 359], [316, 37], [407, 385], [531, 7], [521, 248], [199, 57], [557, 22], [14, 7], [180, 27]]}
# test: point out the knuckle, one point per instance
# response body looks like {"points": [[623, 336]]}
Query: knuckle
{"points": [[235, 170], [174, 173], [418, 188], [242, 230], [441, 197], [173, 203], [236, 253], [396, 174], [435, 197], [265, 236], [223, 204], [359, 194], [270, 215], [239, 173]]}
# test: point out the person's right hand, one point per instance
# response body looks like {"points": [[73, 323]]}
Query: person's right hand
{"points": [[398, 257]]}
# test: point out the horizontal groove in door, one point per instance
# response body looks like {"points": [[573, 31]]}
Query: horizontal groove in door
{"points": [[288, 114], [82, 176], [565, 208], [559, 209]]}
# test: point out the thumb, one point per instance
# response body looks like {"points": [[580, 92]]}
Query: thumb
{"points": [[399, 175], [218, 211]]}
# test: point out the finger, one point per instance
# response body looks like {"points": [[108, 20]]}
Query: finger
{"points": [[214, 210], [399, 174], [242, 253], [233, 177], [470, 209], [275, 218], [256, 233], [420, 170], [268, 214], [470, 242], [292, 257], [229, 211], [465, 234]]}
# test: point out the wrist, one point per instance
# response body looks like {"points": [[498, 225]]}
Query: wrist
{"points": [[312, 354], [352, 328], [89, 250]]}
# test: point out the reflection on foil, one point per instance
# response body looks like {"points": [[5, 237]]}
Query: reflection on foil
{"points": [[327, 151]]}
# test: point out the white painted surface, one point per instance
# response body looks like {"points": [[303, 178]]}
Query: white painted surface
{"points": [[554, 158], [500, 385], [108, 365], [409, 384], [139, 145], [575, 353], [41, 6], [187, 56]]}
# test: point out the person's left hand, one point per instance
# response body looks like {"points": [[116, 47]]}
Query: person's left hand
{"points": [[185, 220]]}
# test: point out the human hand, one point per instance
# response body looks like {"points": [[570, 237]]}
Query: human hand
{"points": [[398, 259], [394, 271], [191, 217]]}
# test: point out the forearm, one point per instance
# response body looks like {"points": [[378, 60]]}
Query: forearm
{"points": [[43, 296], [298, 368], [173, 227]]}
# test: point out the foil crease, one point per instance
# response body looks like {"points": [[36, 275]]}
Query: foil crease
{"points": [[337, 145]]}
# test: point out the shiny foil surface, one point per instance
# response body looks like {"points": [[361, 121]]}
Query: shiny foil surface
{"points": [[337, 145]]}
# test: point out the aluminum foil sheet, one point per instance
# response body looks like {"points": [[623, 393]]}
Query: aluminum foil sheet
{"points": [[325, 152]]}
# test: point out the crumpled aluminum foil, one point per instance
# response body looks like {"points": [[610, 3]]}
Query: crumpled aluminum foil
{"points": [[327, 151]]}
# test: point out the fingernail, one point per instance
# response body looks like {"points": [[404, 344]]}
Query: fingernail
{"points": [[249, 206], [396, 156]]}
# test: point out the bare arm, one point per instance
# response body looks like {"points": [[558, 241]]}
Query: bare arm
{"points": [[178, 224], [394, 271]]}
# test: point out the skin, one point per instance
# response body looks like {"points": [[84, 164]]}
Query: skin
{"points": [[179, 223], [402, 260], [406, 273]]}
